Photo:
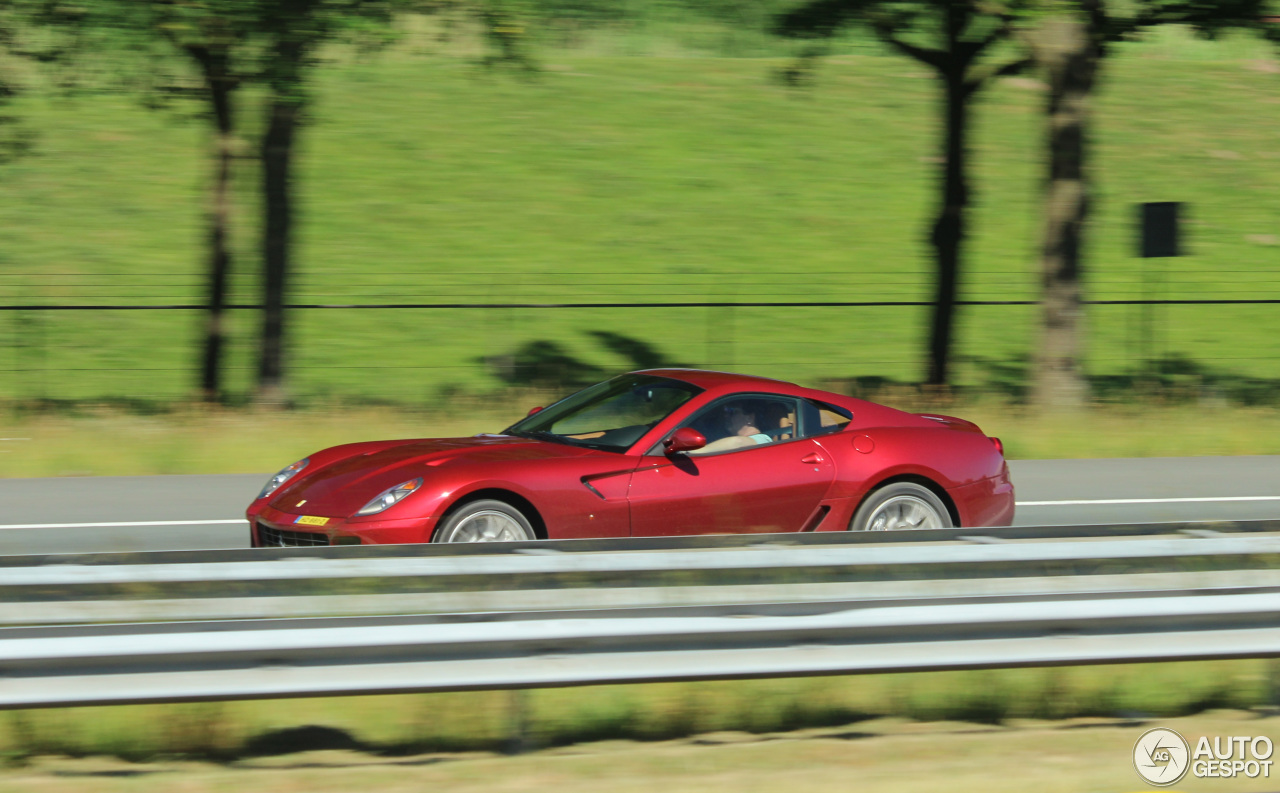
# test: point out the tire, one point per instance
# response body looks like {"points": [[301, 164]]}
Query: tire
{"points": [[489, 520], [901, 505]]}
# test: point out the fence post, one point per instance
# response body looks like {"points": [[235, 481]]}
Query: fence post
{"points": [[730, 331], [28, 355], [15, 341]]}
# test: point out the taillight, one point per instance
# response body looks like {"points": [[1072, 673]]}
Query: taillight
{"points": [[999, 445]]}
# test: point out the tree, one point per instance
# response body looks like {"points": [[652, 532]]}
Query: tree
{"points": [[1067, 48], [294, 30], [1068, 40], [217, 37], [231, 43], [41, 32], [963, 34]]}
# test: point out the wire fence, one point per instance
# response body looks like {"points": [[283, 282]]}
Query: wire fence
{"points": [[323, 286], [417, 336], [117, 347]]}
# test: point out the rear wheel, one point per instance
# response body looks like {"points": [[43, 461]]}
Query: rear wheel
{"points": [[485, 521], [901, 505]]}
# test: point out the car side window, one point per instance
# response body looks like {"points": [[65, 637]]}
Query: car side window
{"points": [[744, 421], [819, 418]]}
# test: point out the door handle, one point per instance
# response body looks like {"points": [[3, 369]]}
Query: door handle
{"points": [[812, 458]]}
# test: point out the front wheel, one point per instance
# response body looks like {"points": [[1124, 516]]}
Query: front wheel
{"points": [[485, 521], [901, 505]]}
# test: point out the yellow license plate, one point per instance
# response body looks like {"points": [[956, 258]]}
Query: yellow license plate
{"points": [[311, 520]]}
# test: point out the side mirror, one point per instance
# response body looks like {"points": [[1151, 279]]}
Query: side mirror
{"points": [[533, 410], [685, 439]]}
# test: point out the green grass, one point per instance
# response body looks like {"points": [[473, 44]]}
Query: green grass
{"points": [[109, 442], [640, 179], [550, 717], [880, 756]]}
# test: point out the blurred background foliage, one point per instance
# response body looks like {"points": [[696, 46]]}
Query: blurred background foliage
{"points": [[487, 155]]}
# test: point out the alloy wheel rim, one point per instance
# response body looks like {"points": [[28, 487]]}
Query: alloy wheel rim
{"points": [[488, 526], [904, 512]]}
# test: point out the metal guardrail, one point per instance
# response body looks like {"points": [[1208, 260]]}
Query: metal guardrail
{"points": [[533, 576], [421, 618]]}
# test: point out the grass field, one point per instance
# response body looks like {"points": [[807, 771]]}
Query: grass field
{"points": [[639, 179], [489, 721], [1051, 729], [1079, 756]]}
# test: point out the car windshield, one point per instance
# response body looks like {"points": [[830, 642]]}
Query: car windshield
{"points": [[611, 415]]}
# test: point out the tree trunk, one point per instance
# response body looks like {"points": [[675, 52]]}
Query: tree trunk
{"points": [[221, 90], [949, 228], [294, 27], [277, 158], [1069, 55]]}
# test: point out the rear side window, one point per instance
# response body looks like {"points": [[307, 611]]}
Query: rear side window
{"points": [[819, 418]]}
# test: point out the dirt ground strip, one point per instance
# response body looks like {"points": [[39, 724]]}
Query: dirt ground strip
{"points": [[881, 755]]}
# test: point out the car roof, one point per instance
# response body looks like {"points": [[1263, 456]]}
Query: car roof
{"points": [[710, 380], [717, 384]]}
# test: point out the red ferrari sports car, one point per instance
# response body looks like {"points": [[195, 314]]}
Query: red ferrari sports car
{"points": [[651, 453]]}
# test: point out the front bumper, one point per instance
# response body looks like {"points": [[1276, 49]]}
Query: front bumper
{"points": [[273, 528]]}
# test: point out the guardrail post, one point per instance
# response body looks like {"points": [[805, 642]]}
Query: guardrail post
{"points": [[1273, 682], [518, 721]]}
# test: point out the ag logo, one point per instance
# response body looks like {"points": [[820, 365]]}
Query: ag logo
{"points": [[1160, 756]]}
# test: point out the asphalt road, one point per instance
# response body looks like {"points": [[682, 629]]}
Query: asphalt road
{"points": [[160, 513]]}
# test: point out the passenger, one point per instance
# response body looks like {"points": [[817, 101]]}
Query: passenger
{"points": [[776, 419]]}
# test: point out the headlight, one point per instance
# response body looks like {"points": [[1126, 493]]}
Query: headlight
{"points": [[390, 496], [284, 476]]}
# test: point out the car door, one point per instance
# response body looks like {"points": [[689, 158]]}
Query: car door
{"points": [[772, 486]]}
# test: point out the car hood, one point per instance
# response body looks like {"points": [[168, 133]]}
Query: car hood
{"points": [[340, 488]]}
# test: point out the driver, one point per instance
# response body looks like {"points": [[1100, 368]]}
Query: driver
{"points": [[740, 429]]}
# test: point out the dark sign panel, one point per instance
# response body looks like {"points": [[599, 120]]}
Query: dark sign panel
{"points": [[1160, 229]]}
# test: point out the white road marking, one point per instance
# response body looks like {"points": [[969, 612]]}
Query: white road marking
{"points": [[1144, 501], [127, 523]]}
